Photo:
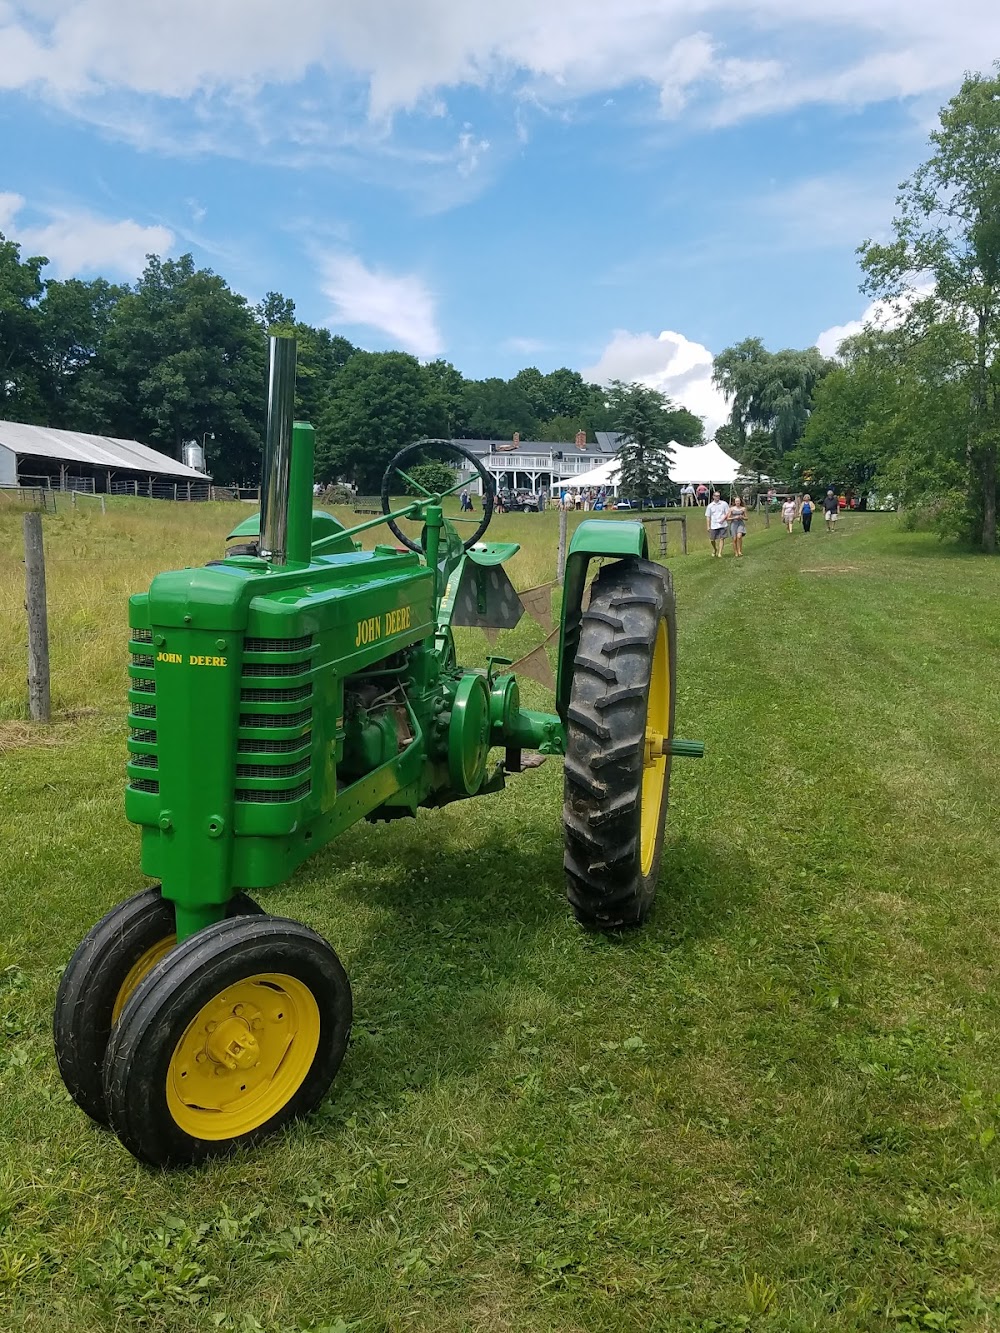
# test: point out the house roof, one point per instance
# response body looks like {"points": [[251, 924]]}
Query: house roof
{"points": [[103, 451], [568, 447]]}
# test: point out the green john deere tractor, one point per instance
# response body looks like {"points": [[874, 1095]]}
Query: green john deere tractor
{"points": [[281, 694]]}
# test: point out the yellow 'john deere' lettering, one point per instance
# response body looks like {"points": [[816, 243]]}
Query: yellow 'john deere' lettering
{"points": [[169, 657], [378, 627], [206, 661]]}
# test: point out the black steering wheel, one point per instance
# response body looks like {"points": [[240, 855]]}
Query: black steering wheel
{"points": [[395, 469]]}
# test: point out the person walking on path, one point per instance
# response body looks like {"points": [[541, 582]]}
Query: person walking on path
{"points": [[831, 510], [687, 496], [738, 526], [788, 513], [716, 520], [806, 513]]}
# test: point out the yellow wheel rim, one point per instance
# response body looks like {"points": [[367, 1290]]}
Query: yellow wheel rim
{"points": [[243, 1056], [654, 772], [137, 971]]}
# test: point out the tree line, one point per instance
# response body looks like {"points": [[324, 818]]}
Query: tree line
{"points": [[911, 405], [179, 355]]}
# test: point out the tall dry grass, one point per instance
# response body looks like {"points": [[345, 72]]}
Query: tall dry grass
{"points": [[95, 561]]}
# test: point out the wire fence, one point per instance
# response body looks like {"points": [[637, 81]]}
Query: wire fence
{"points": [[149, 489], [29, 497]]}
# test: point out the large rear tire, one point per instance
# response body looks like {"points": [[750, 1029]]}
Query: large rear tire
{"points": [[620, 715]]}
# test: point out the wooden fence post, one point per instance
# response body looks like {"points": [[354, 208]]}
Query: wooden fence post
{"points": [[684, 536], [104, 509], [39, 702], [561, 557]]}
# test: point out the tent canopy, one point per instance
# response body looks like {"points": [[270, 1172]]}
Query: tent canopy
{"points": [[691, 463], [703, 462]]}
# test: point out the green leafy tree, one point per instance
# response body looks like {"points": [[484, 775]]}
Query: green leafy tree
{"points": [[445, 403], [182, 355], [433, 476], [643, 417], [894, 417], [495, 409], [22, 353], [563, 430], [948, 229], [275, 313], [685, 427], [377, 406], [74, 319]]}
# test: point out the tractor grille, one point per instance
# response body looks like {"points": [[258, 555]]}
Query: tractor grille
{"points": [[285, 711], [271, 797], [276, 696], [273, 770], [142, 736], [260, 746], [274, 668], [275, 719], [277, 645]]}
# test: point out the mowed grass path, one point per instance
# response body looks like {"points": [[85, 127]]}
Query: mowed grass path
{"points": [[773, 1108]]}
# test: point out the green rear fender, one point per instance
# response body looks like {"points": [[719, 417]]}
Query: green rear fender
{"points": [[593, 539]]}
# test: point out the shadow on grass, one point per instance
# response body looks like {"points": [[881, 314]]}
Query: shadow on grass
{"points": [[457, 956]]}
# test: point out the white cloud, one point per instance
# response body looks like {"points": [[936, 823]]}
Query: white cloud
{"points": [[77, 242], [404, 53], [669, 362], [832, 210], [885, 314], [401, 307]]}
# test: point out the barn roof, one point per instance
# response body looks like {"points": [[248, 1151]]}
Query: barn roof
{"points": [[103, 451]]}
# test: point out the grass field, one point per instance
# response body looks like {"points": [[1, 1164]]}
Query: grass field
{"points": [[773, 1108]]}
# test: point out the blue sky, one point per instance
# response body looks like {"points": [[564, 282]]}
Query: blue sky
{"points": [[622, 188]]}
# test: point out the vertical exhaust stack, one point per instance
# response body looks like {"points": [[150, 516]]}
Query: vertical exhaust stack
{"points": [[274, 482]]}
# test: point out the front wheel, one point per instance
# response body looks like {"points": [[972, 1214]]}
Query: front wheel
{"points": [[106, 967], [619, 724], [235, 1033]]}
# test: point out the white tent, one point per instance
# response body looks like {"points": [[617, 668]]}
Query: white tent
{"points": [[605, 474], [703, 462], [691, 463]]}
